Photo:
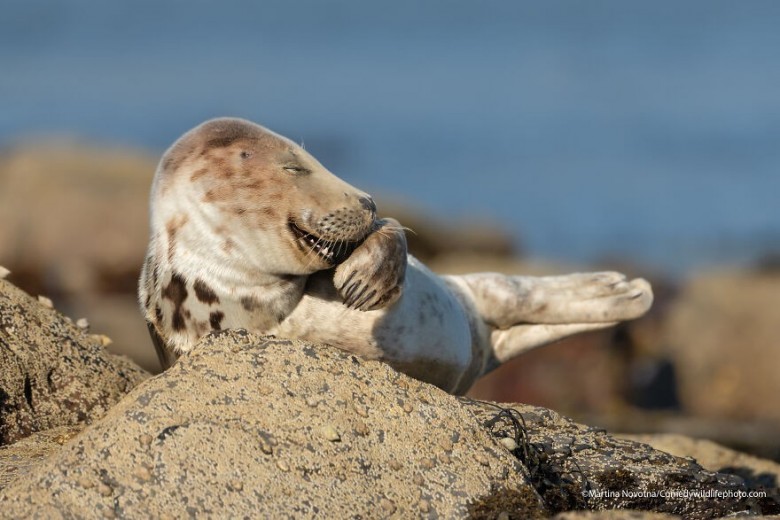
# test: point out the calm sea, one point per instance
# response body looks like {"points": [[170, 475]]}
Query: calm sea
{"points": [[643, 130]]}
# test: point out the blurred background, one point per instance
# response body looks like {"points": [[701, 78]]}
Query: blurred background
{"points": [[524, 137]]}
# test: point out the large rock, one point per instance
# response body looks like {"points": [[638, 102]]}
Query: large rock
{"points": [[576, 467], [51, 372], [758, 473], [74, 216], [263, 427], [723, 339], [246, 426], [75, 227]]}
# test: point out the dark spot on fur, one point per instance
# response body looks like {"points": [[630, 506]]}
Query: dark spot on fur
{"points": [[158, 315], [215, 319], [199, 173], [201, 328], [205, 293], [240, 211], [249, 303], [227, 245], [269, 212], [256, 185], [176, 291], [222, 141], [148, 301], [173, 226], [174, 159]]}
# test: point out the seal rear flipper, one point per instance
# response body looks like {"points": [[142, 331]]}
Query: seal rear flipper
{"points": [[165, 355]]}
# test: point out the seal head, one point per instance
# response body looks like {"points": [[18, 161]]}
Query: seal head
{"points": [[273, 203]]}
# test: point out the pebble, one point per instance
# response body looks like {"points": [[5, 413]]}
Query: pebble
{"points": [[445, 443], [86, 482], [509, 443], [4, 272], [105, 490], [418, 479], [408, 408], [329, 433], [428, 463], [108, 513], [236, 485], [395, 465], [103, 339], [361, 428], [142, 474], [282, 465], [361, 410], [503, 515], [425, 506], [65, 437], [82, 323], [46, 302], [387, 506], [145, 439], [482, 460], [265, 446]]}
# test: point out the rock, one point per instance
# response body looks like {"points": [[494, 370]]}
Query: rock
{"points": [[235, 422], [758, 473], [613, 515], [85, 230], [723, 336], [263, 427], [52, 373], [18, 458], [577, 467]]}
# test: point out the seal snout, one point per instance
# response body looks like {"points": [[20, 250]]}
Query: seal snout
{"points": [[368, 204]]}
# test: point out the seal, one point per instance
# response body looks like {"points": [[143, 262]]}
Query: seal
{"points": [[248, 230]]}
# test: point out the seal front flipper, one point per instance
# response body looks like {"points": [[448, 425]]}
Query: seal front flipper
{"points": [[373, 275]]}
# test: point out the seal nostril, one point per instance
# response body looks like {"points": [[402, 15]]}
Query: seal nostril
{"points": [[368, 204]]}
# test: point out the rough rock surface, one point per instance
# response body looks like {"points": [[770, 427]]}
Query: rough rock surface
{"points": [[578, 467], [51, 372], [758, 473], [613, 515], [274, 428], [261, 427], [25, 454]]}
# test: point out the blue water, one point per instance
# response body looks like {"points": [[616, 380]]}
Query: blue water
{"points": [[648, 131]]}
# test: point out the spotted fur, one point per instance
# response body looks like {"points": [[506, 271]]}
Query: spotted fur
{"points": [[250, 231]]}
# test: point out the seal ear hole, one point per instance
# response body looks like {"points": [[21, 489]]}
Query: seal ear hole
{"points": [[245, 154]]}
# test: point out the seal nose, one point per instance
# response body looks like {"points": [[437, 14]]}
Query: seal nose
{"points": [[368, 204]]}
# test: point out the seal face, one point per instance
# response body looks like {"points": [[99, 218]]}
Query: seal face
{"points": [[248, 230]]}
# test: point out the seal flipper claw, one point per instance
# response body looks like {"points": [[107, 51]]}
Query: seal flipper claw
{"points": [[377, 266]]}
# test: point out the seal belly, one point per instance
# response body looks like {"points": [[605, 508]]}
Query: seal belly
{"points": [[424, 334]]}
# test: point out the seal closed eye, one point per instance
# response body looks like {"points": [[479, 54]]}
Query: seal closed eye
{"points": [[248, 230]]}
